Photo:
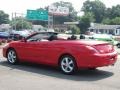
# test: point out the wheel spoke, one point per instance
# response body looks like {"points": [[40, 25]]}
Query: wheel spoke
{"points": [[9, 57], [12, 60], [66, 60], [63, 63], [71, 62], [66, 68], [10, 53], [14, 57], [71, 68]]}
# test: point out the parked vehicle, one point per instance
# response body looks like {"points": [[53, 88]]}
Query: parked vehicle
{"points": [[69, 55], [18, 35], [106, 38], [4, 35]]}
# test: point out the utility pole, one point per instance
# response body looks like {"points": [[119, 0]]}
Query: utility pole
{"points": [[22, 21], [15, 21], [12, 20], [50, 21], [14, 16]]}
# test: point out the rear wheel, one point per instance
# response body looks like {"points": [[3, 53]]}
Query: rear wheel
{"points": [[68, 64], [12, 56]]}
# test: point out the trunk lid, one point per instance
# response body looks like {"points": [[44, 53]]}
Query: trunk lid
{"points": [[101, 46]]}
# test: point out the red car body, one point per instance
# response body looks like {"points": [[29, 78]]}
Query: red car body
{"points": [[87, 54]]}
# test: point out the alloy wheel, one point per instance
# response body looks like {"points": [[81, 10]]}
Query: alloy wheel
{"points": [[67, 65], [11, 57]]}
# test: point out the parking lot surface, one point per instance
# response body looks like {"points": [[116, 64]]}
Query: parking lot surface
{"points": [[39, 77]]}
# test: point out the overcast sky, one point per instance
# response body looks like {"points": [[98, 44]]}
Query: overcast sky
{"points": [[20, 6]]}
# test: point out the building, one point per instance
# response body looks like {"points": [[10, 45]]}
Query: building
{"points": [[37, 27], [105, 29], [60, 27], [5, 27]]}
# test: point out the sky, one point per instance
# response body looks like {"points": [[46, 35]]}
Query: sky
{"points": [[20, 6]]}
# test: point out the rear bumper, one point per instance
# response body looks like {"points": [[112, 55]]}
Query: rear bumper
{"points": [[98, 60]]}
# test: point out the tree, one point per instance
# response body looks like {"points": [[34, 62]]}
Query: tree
{"points": [[19, 23], [115, 11], [85, 21], [74, 29], [4, 18], [115, 21], [108, 13], [106, 21], [96, 7]]}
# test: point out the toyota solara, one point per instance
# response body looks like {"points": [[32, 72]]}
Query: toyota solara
{"points": [[68, 55]]}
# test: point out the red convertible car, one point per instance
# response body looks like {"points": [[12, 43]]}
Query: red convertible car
{"points": [[69, 55]]}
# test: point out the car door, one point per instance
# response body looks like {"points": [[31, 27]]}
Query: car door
{"points": [[31, 49], [51, 52]]}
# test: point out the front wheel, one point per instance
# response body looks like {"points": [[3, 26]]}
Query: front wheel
{"points": [[12, 56], [68, 64]]}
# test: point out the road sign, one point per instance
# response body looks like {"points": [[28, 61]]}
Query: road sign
{"points": [[37, 15]]}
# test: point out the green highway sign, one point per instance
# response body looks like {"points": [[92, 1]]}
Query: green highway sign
{"points": [[37, 15]]}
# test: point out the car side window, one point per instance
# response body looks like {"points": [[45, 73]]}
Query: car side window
{"points": [[37, 38]]}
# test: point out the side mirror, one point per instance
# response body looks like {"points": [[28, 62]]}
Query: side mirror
{"points": [[23, 39]]}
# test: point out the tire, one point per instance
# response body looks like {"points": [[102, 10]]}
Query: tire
{"points": [[12, 56], [118, 45], [68, 65]]}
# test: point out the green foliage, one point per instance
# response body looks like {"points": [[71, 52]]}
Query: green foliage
{"points": [[96, 7], [74, 29], [106, 21], [4, 18], [115, 11], [85, 21], [38, 22], [20, 23], [112, 12], [114, 21]]}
